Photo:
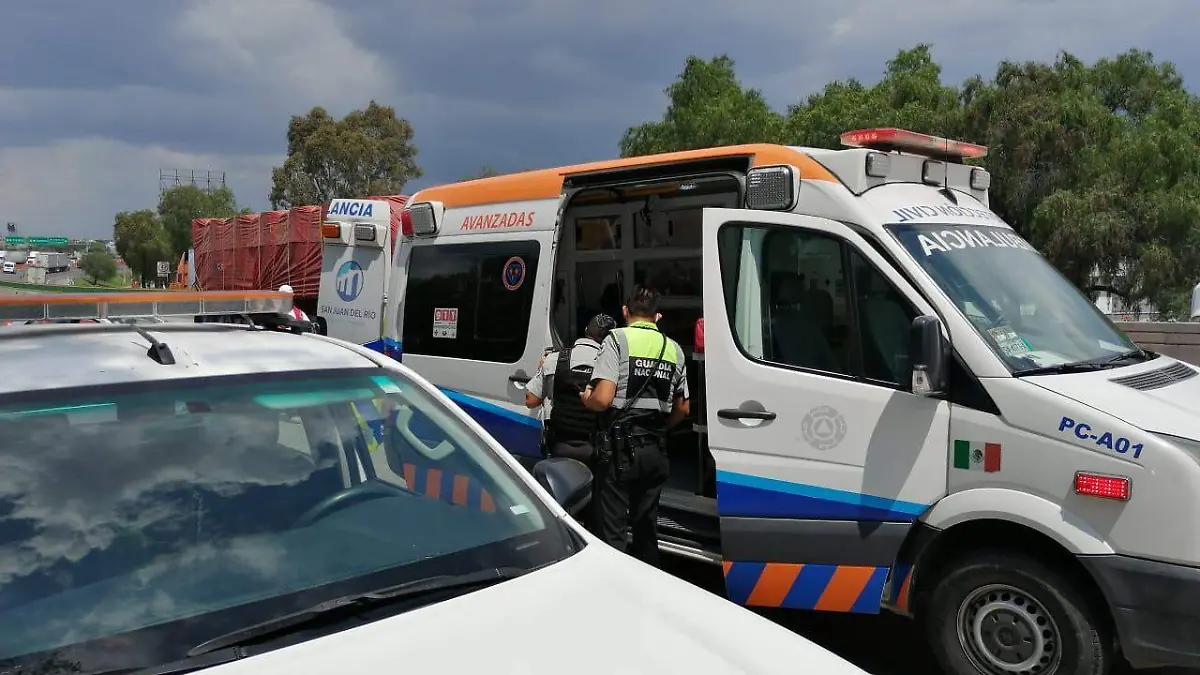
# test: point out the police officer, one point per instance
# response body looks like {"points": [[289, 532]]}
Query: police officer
{"points": [[639, 383], [561, 377]]}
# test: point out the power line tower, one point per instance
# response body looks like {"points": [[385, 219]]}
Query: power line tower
{"points": [[204, 179]]}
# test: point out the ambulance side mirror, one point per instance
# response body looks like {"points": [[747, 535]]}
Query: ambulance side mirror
{"points": [[929, 354]]}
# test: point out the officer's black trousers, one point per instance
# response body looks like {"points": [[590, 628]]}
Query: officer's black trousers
{"points": [[630, 500]]}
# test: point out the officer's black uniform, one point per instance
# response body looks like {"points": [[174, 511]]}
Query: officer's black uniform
{"points": [[632, 467], [570, 426]]}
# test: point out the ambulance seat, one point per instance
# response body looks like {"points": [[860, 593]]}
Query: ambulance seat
{"points": [[886, 323], [800, 323]]}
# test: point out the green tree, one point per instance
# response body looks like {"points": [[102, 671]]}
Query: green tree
{"points": [[96, 246], [485, 171], [178, 206], [910, 96], [141, 242], [368, 152], [98, 266], [1098, 166], [707, 107]]}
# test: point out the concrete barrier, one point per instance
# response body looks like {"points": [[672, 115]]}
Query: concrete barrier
{"points": [[1177, 339]]}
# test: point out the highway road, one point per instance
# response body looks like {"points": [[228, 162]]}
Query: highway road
{"points": [[879, 644]]}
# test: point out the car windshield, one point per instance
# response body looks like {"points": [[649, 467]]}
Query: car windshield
{"points": [[1028, 312], [139, 522]]}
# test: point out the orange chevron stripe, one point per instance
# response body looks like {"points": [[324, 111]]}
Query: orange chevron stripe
{"points": [[902, 597], [774, 584], [844, 588], [433, 483], [459, 495]]}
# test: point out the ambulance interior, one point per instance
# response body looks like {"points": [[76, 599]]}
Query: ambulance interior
{"points": [[617, 236]]}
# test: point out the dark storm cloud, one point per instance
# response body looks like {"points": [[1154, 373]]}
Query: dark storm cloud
{"points": [[119, 87]]}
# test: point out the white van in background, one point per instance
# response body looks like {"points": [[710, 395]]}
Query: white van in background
{"points": [[356, 255]]}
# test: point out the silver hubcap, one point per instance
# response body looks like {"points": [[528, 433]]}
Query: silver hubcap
{"points": [[1004, 630]]}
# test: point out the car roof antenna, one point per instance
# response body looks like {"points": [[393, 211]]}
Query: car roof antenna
{"points": [[159, 351]]}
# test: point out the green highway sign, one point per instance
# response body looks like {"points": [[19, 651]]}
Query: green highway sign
{"points": [[47, 241], [14, 241]]}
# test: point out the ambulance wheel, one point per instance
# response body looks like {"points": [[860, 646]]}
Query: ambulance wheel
{"points": [[1001, 613]]}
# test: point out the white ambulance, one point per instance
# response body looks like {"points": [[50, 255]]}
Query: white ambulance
{"points": [[356, 254], [900, 403]]}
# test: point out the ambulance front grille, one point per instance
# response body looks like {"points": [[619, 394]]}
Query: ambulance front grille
{"points": [[1157, 379]]}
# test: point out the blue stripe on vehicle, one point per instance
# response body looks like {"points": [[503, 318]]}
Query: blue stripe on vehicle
{"points": [[740, 494], [519, 434]]}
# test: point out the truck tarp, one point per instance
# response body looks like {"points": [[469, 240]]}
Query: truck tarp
{"points": [[266, 250]]}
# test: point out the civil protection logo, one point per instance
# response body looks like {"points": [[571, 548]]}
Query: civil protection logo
{"points": [[823, 427], [514, 273], [349, 281]]}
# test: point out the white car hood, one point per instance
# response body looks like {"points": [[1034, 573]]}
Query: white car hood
{"points": [[1173, 409], [597, 612]]}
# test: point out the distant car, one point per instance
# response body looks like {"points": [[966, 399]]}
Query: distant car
{"points": [[10, 267], [199, 495]]}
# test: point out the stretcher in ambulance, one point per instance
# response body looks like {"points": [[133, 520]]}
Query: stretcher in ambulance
{"points": [[901, 404], [357, 245]]}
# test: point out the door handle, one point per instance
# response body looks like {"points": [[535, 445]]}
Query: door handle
{"points": [[516, 378], [739, 414]]}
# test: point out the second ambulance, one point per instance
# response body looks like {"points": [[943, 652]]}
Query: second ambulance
{"points": [[901, 404], [358, 240]]}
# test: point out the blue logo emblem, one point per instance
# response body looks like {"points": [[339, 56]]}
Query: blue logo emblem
{"points": [[349, 281], [514, 273]]}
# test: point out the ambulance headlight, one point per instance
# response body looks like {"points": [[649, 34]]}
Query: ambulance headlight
{"points": [[771, 188], [980, 179]]}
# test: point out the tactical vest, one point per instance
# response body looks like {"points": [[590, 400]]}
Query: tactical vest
{"points": [[569, 420]]}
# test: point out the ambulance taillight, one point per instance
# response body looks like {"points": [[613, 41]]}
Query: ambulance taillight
{"points": [[1103, 486], [331, 231]]}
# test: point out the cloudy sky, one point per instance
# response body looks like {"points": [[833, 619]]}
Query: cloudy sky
{"points": [[97, 95]]}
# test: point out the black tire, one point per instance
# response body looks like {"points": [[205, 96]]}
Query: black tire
{"points": [[1034, 600]]}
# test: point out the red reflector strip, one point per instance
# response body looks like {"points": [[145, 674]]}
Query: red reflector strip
{"points": [[1104, 487]]}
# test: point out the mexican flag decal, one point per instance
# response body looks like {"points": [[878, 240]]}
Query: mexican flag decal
{"points": [[975, 456]]}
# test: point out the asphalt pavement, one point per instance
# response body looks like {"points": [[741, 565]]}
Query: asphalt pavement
{"points": [[883, 644]]}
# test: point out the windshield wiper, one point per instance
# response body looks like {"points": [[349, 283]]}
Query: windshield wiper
{"points": [[1063, 368], [349, 604], [1138, 354]]}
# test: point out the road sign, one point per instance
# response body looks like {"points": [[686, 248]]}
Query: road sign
{"points": [[47, 241], [14, 241], [164, 269]]}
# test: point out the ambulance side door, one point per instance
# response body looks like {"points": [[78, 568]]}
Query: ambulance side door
{"points": [[472, 317], [824, 457]]}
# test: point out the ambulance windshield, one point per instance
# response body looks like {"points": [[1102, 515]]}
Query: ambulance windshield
{"points": [[1024, 308]]}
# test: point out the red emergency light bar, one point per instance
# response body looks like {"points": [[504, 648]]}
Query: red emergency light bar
{"points": [[901, 140]]}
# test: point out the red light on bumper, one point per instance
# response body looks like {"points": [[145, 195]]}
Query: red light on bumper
{"points": [[1104, 487]]}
